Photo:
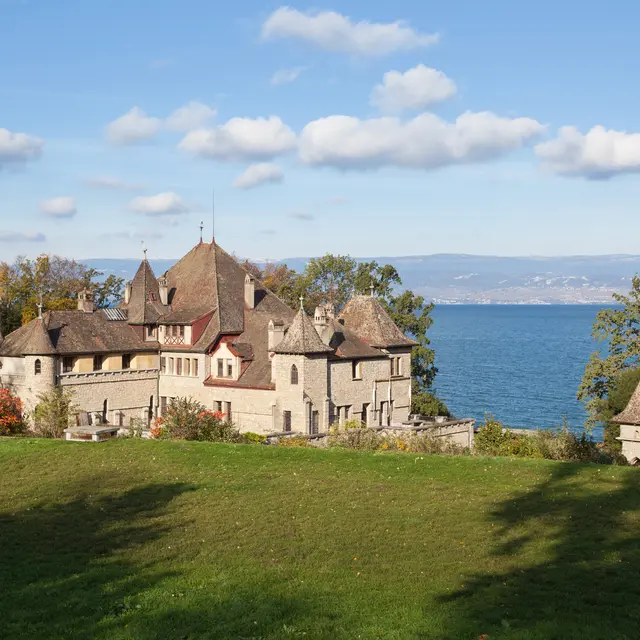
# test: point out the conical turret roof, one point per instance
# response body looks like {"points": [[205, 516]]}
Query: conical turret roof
{"points": [[302, 338]]}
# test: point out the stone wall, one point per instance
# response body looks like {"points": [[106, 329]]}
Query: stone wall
{"points": [[128, 393]]}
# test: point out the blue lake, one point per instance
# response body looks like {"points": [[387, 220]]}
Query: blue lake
{"points": [[521, 363]]}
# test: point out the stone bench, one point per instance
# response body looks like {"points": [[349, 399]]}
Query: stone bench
{"points": [[97, 433]]}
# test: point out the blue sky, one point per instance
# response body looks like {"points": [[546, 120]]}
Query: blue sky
{"points": [[370, 128]]}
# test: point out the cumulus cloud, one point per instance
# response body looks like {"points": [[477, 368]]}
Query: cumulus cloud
{"points": [[285, 76], [163, 204], [257, 174], [16, 148], [17, 236], [424, 142], [107, 182], [60, 207], [241, 139], [416, 88], [133, 127], [334, 32], [599, 154], [192, 115]]}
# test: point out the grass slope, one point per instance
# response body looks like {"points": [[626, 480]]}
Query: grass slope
{"points": [[132, 539]]}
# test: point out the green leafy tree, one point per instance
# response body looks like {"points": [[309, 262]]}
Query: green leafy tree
{"points": [[329, 280], [620, 328]]}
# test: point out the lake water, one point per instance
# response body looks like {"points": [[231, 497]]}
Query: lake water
{"points": [[522, 363]]}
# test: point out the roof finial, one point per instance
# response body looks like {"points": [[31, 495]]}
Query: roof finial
{"points": [[144, 249], [39, 305], [301, 303], [201, 228], [371, 288]]}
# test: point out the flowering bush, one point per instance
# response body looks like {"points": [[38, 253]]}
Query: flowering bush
{"points": [[11, 421], [188, 419]]}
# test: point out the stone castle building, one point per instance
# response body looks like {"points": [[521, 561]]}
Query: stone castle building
{"points": [[208, 330]]}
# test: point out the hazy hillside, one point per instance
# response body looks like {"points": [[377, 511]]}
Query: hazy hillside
{"points": [[457, 278]]}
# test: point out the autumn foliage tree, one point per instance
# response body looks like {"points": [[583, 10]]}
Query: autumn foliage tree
{"points": [[11, 420], [52, 279]]}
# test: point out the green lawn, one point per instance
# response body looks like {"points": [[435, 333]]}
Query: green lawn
{"points": [[141, 540]]}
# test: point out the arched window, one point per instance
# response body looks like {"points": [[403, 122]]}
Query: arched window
{"points": [[294, 374], [37, 367]]}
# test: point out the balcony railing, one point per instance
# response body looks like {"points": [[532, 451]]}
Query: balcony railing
{"points": [[174, 340]]}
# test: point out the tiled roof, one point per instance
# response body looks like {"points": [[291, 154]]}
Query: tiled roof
{"points": [[365, 316], [144, 306], [631, 413], [302, 338], [74, 332]]}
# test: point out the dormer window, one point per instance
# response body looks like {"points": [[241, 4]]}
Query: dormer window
{"points": [[152, 296], [225, 368], [151, 332]]}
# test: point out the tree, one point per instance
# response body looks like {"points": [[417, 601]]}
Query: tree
{"points": [[11, 420], [620, 328], [54, 280], [329, 280], [54, 413]]}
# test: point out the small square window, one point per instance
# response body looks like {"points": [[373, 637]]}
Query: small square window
{"points": [[67, 364]]}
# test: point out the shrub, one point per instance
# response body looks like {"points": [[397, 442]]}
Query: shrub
{"points": [[423, 442], [187, 419], [11, 419], [491, 438], [54, 412], [354, 434], [136, 428], [253, 438], [425, 403]]}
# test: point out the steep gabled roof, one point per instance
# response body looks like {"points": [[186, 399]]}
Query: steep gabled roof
{"points": [[365, 316], [144, 306], [302, 338], [631, 413]]}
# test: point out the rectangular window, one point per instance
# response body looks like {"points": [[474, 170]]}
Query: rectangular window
{"points": [[315, 422], [163, 365], [163, 405], [97, 363], [229, 368], [67, 364], [220, 368], [187, 367], [171, 366], [365, 411], [218, 405], [227, 410], [195, 367], [396, 366], [181, 328], [178, 366], [356, 370], [151, 332], [126, 361], [286, 421]]}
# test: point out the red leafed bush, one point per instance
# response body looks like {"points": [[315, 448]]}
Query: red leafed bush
{"points": [[11, 420]]}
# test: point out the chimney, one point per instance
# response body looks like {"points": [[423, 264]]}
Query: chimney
{"points": [[249, 291], [276, 333], [164, 290], [320, 317], [127, 292], [85, 301]]}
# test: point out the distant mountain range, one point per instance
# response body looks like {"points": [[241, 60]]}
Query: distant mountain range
{"points": [[467, 279]]}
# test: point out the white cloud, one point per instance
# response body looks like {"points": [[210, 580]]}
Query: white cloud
{"points": [[162, 204], [107, 182], [257, 174], [425, 142], [60, 207], [134, 126], [285, 76], [302, 215], [17, 236], [599, 154], [18, 147], [192, 115], [334, 32], [241, 139], [416, 88]]}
